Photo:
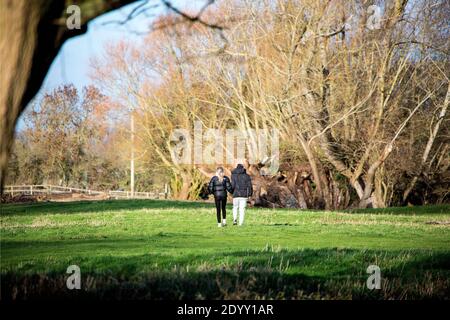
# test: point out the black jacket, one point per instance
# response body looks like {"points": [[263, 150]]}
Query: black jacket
{"points": [[241, 183], [219, 189]]}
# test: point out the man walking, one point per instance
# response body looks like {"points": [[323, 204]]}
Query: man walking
{"points": [[242, 189]]}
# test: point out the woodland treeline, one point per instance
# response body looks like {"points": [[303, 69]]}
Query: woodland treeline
{"points": [[360, 104]]}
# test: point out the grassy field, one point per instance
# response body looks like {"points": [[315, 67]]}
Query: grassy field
{"points": [[146, 249]]}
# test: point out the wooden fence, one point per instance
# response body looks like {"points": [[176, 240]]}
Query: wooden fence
{"points": [[59, 190]]}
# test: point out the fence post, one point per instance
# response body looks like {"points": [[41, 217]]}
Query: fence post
{"points": [[31, 190], [166, 190]]}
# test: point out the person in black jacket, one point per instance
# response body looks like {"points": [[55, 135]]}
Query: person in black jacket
{"points": [[218, 186], [241, 183]]}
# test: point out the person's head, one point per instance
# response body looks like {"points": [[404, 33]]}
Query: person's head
{"points": [[238, 162], [220, 173]]}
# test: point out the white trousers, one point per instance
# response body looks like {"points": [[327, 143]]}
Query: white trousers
{"points": [[239, 204]]}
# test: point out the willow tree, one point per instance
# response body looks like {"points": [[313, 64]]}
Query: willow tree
{"points": [[347, 87]]}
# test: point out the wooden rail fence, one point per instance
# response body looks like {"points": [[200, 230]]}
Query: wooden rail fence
{"points": [[59, 190]]}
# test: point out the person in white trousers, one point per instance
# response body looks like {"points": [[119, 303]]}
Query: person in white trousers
{"points": [[239, 205], [241, 184]]}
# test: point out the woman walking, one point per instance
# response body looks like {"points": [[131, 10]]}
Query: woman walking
{"points": [[218, 186]]}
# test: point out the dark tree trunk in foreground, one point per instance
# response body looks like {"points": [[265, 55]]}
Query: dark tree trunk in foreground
{"points": [[32, 33]]}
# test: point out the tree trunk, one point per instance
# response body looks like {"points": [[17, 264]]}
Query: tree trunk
{"points": [[183, 194], [32, 33], [26, 36], [322, 189], [429, 145]]}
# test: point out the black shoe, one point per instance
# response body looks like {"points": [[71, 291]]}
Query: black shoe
{"points": [[234, 223]]}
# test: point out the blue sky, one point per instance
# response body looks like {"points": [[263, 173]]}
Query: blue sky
{"points": [[72, 64]]}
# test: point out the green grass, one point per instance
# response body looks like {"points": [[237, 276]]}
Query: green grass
{"points": [[166, 249]]}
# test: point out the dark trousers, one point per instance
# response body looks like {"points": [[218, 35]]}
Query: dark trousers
{"points": [[221, 204]]}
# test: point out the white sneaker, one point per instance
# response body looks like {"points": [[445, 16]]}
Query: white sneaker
{"points": [[224, 222], [219, 225]]}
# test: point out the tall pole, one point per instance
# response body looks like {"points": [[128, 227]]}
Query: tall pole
{"points": [[132, 154]]}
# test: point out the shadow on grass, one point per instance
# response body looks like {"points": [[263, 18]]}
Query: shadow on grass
{"points": [[98, 206], [266, 274], [419, 210], [130, 205]]}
